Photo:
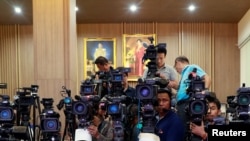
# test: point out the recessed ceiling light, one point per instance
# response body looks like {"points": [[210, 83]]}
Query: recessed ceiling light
{"points": [[191, 7], [133, 8], [76, 8], [18, 10]]}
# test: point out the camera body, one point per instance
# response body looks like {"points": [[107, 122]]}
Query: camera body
{"points": [[239, 105], [49, 118], [50, 124], [147, 88], [83, 105], [6, 110], [198, 105]]}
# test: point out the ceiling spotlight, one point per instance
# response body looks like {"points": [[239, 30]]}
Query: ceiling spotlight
{"points": [[133, 8], [18, 10], [191, 7], [76, 8]]}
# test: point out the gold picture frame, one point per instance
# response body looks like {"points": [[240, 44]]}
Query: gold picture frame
{"points": [[94, 47], [133, 51]]}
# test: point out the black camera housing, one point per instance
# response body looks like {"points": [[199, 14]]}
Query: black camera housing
{"points": [[7, 114], [197, 108], [49, 118]]}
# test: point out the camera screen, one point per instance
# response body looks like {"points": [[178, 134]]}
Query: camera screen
{"points": [[117, 77], [87, 89]]}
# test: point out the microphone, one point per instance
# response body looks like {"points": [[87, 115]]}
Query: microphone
{"points": [[140, 80]]}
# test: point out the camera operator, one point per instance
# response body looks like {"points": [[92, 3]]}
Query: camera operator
{"points": [[127, 90], [104, 67], [169, 126], [183, 67], [101, 129], [164, 71], [213, 117]]}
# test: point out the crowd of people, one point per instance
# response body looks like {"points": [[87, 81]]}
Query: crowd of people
{"points": [[172, 125]]}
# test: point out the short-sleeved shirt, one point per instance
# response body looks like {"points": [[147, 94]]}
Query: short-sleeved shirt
{"points": [[183, 85], [167, 70]]}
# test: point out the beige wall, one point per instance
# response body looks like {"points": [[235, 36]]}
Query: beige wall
{"points": [[244, 46]]}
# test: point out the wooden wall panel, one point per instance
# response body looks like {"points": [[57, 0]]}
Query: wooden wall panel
{"points": [[26, 56], [210, 45], [227, 60]]}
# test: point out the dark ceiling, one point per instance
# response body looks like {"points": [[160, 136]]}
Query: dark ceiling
{"points": [[95, 11]]}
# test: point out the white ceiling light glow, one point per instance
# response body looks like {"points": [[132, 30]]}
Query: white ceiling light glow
{"points": [[133, 8], [18, 10], [191, 7], [76, 8]]}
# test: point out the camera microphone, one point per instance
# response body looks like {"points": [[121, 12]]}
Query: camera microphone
{"points": [[140, 80], [77, 97]]}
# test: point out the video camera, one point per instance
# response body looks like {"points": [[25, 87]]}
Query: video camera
{"points": [[6, 110], [50, 124], [147, 88], [83, 106], [239, 105], [8, 129], [198, 105]]}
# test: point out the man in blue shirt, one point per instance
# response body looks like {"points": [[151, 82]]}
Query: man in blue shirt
{"points": [[183, 67], [169, 126]]}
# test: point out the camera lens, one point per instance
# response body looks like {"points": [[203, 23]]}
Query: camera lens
{"points": [[198, 107], [243, 99], [145, 91], [50, 125], [79, 108], [6, 114], [113, 109]]}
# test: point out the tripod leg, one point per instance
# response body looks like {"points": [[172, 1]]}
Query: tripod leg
{"points": [[64, 133], [71, 128]]}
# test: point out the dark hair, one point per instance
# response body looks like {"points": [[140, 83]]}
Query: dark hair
{"points": [[101, 60], [165, 90], [213, 99], [121, 69], [182, 59], [162, 50]]}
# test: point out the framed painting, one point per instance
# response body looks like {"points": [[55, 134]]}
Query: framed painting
{"points": [[134, 47], [95, 47]]}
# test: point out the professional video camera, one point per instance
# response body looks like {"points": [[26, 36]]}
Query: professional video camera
{"points": [[239, 106], [49, 119], [147, 88], [8, 129], [198, 106], [116, 106], [84, 108], [6, 117], [67, 103], [27, 98], [102, 83]]}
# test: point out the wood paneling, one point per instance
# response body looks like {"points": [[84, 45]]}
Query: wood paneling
{"points": [[210, 45]]}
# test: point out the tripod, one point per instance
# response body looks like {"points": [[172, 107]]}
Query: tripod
{"points": [[69, 124]]}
